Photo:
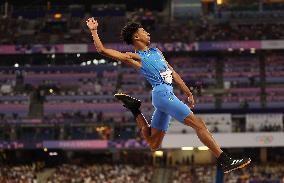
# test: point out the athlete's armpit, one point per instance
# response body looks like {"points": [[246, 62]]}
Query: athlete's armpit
{"points": [[119, 56]]}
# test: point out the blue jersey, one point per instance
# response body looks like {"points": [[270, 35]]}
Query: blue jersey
{"points": [[154, 67]]}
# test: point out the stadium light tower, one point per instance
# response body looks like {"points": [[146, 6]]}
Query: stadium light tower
{"points": [[219, 2]]}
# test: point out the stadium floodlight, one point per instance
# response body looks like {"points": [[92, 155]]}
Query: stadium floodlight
{"points": [[16, 65], [102, 61], [95, 61], [57, 16], [53, 56], [89, 62], [53, 154], [219, 2], [78, 55], [187, 148], [83, 63], [203, 148], [159, 153]]}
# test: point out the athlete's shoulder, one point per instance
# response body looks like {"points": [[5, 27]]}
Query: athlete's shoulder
{"points": [[154, 49], [159, 51]]}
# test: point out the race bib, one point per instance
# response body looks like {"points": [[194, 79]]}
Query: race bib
{"points": [[167, 76]]}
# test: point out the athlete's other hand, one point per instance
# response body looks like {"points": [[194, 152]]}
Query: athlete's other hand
{"points": [[190, 101], [92, 23], [134, 56]]}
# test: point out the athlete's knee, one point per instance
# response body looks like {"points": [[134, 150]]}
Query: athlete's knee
{"points": [[156, 141], [155, 146], [195, 122]]}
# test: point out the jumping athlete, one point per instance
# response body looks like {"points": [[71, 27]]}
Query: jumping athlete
{"points": [[151, 63]]}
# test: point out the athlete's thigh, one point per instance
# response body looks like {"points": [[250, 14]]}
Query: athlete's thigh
{"points": [[176, 108], [160, 121]]}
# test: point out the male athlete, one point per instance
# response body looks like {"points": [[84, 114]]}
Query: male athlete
{"points": [[151, 63]]}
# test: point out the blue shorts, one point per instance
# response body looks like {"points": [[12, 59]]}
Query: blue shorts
{"points": [[167, 105]]}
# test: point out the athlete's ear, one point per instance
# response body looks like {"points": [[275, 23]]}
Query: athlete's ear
{"points": [[135, 37]]}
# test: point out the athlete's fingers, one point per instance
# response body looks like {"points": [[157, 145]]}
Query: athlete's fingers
{"points": [[128, 54], [89, 20], [191, 103]]}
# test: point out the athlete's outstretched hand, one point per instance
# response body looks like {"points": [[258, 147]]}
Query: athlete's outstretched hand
{"points": [[190, 101], [92, 23]]}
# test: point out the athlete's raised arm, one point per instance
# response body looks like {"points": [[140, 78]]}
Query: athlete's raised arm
{"points": [[114, 54], [179, 81]]}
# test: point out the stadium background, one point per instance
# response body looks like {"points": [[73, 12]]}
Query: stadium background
{"points": [[59, 121]]}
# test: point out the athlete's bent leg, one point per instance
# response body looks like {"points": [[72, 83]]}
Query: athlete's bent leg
{"points": [[153, 136], [203, 134]]}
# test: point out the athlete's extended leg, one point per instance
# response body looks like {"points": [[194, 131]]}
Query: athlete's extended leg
{"points": [[203, 134], [180, 111], [227, 163]]}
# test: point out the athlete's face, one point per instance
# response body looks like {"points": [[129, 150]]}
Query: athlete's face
{"points": [[142, 36]]}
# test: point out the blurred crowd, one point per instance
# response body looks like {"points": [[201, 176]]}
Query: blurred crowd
{"points": [[208, 31], [18, 174], [18, 30], [101, 174], [194, 174], [257, 173], [121, 173]]}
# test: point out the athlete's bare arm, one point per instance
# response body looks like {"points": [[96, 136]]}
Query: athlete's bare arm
{"points": [[179, 81], [114, 54], [134, 56]]}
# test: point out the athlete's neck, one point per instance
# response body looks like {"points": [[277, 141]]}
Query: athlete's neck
{"points": [[140, 47]]}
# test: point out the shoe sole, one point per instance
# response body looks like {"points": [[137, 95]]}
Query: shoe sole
{"points": [[241, 166], [117, 95], [121, 94]]}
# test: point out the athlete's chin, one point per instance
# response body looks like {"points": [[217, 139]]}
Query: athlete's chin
{"points": [[148, 43]]}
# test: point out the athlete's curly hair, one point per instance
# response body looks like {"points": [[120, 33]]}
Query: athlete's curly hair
{"points": [[128, 30]]}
